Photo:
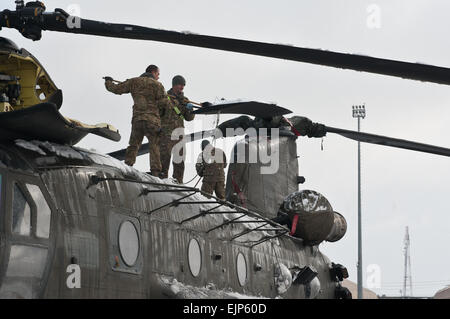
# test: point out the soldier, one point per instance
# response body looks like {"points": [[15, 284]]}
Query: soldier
{"points": [[152, 71], [149, 100], [177, 111], [211, 164]]}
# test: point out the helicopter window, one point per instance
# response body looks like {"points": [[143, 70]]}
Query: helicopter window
{"points": [[43, 211], [241, 267], [194, 257], [125, 249], [25, 270], [21, 223], [128, 243]]}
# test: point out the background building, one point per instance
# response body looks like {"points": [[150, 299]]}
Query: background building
{"points": [[367, 294], [443, 293]]}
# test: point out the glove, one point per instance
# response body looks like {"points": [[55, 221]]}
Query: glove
{"points": [[190, 106], [206, 104], [108, 78]]}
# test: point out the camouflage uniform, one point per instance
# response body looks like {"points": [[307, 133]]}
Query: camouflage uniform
{"points": [[213, 173], [149, 101], [173, 118]]}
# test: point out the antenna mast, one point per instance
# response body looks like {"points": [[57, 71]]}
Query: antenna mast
{"points": [[407, 276]]}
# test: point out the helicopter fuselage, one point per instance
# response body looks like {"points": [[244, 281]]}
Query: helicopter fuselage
{"points": [[65, 236]]}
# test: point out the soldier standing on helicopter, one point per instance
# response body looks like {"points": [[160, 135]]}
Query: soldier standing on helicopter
{"points": [[150, 100], [211, 164], [178, 110]]}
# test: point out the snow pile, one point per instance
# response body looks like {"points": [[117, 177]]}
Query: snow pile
{"points": [[283, 278], [60, 150], [224, 102], [107, 160], [52, 148], [307, 201], [30, 146], [188, 32], [175, 289]]}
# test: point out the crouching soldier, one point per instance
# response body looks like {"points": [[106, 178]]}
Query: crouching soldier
{"points": [[211, 164]]}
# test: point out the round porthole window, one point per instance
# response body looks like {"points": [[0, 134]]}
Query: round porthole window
{"points": [[194, 257], [128, 243], [241, 266]]}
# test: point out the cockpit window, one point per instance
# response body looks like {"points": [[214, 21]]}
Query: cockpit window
{"points": [[21, 213], [43, 211], [23, 210]]}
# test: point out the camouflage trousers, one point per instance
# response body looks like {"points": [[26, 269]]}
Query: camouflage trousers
{"points": [[152, 131], [218, 187], [166, 145]]}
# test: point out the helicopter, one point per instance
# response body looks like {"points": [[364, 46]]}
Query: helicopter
{"points": [[132, 235]]}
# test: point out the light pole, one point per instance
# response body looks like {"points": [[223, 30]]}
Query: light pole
{"points": [[359, 111]]}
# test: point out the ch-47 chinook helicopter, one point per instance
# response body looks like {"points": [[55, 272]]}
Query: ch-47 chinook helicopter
{"points": [[78, 224]]}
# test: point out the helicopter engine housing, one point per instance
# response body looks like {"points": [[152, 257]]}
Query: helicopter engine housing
{"points": [[248, 182]]}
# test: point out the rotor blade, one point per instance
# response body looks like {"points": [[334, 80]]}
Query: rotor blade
{"points": [[258, 109], [389, 141], [120, 154], [30, 27], [145, 148]]}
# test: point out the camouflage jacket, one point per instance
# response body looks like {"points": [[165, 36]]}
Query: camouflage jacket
{"points": [[175, 113], [149, 96], [209, 168]]}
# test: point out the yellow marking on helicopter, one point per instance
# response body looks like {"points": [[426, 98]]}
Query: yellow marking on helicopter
{"points": [[36, 85]]}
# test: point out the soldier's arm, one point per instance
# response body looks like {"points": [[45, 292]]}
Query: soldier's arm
{"points": [[164, 105], [199, 166], [187, 113], [162, 99], [120, 88]]}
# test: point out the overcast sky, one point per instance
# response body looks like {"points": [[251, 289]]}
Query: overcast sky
{"points": [[400, 188]]}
